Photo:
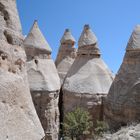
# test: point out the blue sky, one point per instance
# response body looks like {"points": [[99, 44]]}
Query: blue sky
{"points": [[111, 20]]}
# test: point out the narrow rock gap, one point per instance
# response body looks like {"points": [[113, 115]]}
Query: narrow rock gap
{"points": [[101, 117], [61, 110]]}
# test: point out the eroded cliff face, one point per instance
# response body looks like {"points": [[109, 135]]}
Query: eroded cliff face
{"points": [[44, 81], [18, 117], [88, 79], [66, 54], [122, 104], [10, 30]]}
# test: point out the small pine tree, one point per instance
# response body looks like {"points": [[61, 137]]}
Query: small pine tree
{"points": [[77, 123]]}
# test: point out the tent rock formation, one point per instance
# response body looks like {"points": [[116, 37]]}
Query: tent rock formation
{"points": [[122, 105], [44, 81], [66, 54], [88, 79]]}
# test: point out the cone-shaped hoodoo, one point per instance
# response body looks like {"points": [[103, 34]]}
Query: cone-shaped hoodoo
{"points": [[88, 79], [122, 105], [44, 81], [66, 54]]}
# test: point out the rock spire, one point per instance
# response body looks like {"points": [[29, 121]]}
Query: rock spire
{"points": [[88, 79], [87, 43], [67, 37], [36, 41], [44, 81], [122, 105], [66, 54]]}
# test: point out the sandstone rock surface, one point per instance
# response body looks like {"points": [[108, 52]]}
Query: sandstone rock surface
{"points": [[66, 54], [44, 81], [18, 119], [122, 105], [88, 79]]}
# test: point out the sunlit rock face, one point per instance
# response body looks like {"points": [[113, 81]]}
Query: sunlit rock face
{"points": [[122, 104], [66, 54], [18, 120], [44, 81], [88, 79]]}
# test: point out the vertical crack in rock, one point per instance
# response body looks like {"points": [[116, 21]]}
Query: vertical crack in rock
{"points": [[61, 110]]}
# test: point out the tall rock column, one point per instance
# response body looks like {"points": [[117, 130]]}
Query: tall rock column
{"points": [[88, 79], [122, 104], [66, 54], [18, 118], [44, 81]]}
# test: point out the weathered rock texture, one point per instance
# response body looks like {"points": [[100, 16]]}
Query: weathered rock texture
{"points": [[18, 118], [66, 54], [122, 105], [44, 81], [88, 79], [126, 133]]}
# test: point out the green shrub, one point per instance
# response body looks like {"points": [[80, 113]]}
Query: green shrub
{"points": [[77, 124]]}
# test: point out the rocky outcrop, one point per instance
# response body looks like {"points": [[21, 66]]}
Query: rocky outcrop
{"points": [[18, 118], [88, 79], [66, 54], [44, 81], [126, 133], [122, 105]]}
